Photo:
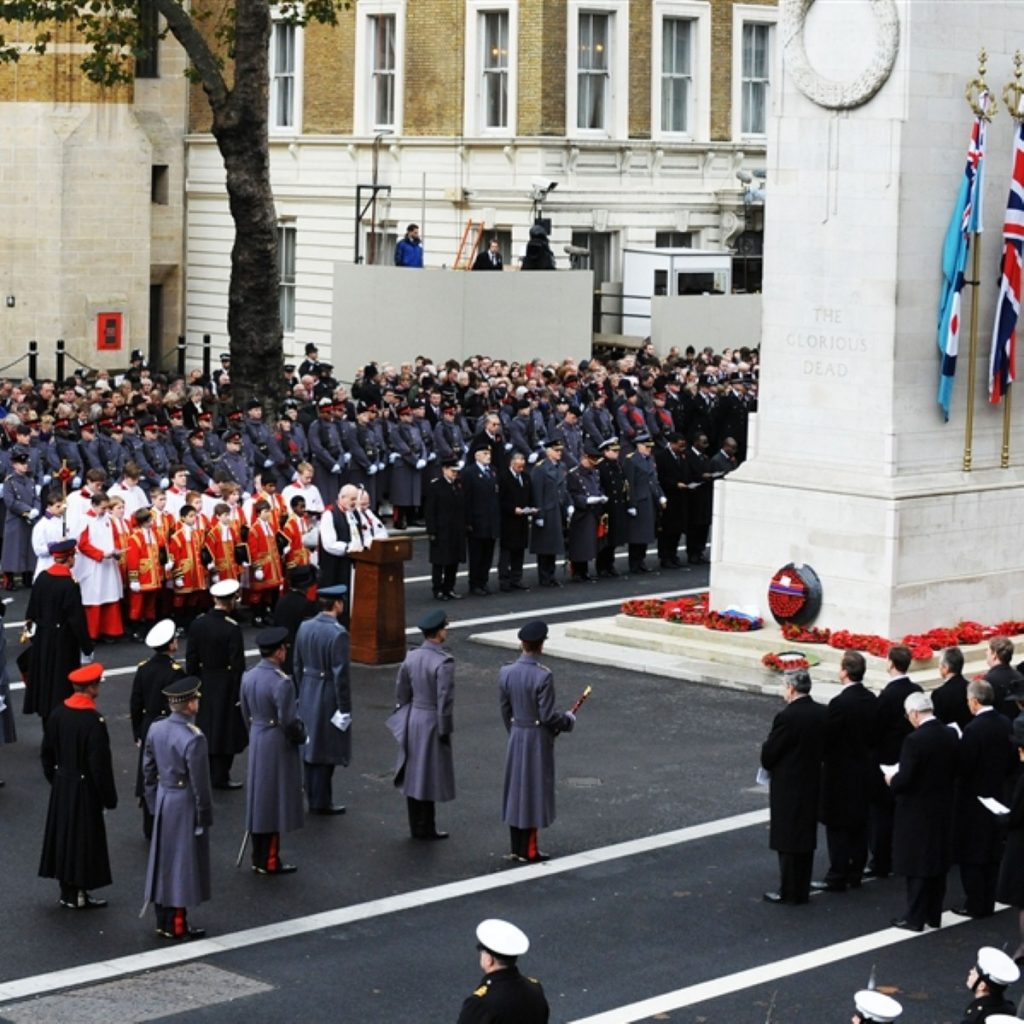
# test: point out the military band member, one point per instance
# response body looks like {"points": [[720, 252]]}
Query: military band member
{"points": [[274, 785], [425, 701], [321, 658], [148, 703], [504, 996], [176, 775], [77, 764], [216, 654], [526, 694], [22, 508]]}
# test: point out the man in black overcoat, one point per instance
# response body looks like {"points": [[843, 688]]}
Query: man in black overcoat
{"points": [[922, 788], [1002, 675], [611, 532], [950, 699], [60, 635], [295, 606], [671, 463], [985, 763], [148, 703], [847, 772], [515, 494], [699, 500], [444, 510], [891, 728], [483, 517], [216, 655], [792, 754], [76, 763]]}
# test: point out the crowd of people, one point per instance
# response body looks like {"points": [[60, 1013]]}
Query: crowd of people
{"points": [[907, 783]]}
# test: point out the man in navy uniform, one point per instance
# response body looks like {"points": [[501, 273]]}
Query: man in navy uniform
{"points": [[988, 979], [148, 703], [321, 659], [526, 693], [423, 724], [176, 772], [274, 787], [504, 996], [873, 1007], [216, 654], [77, 764]]}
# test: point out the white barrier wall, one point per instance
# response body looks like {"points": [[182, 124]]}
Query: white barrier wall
{"points": [[389, 314], [721, 321]]}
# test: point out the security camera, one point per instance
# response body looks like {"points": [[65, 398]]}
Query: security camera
{"points": [[745, 176], [542, 185], [575, 250]]}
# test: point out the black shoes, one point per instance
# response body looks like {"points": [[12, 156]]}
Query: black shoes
{"points": [[336, 809], [436, 834], [281, 869], [452, 596], [185, 936], [479, 591], [82, 901], [902, 922], [875, 873], [964, 912], [772, 897], [828, 887], [229, 785], [520, 586]]}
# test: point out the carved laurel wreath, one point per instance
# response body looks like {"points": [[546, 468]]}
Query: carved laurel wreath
{"points": [[825, 91]]}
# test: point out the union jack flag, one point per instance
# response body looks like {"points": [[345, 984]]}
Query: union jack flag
{"points": [[966, 220], [1002, 362]]}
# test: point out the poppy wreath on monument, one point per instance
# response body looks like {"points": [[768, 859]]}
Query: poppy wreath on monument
{"points": [[788, 661], [794, 594]]}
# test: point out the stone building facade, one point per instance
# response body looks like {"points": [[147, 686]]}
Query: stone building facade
{"points": [[92, 198], [640, 113]]}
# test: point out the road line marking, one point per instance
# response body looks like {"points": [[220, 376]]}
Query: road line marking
{"points": [[730, 983], [104, 970]]}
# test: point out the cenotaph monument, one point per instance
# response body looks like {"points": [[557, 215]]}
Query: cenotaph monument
{"points": [[855, 471]]}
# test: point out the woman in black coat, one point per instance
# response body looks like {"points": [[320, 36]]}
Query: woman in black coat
{"points": [[444, 508], [1010, 887]]}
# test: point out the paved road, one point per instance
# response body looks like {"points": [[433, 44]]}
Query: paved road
{"points": [[654, 763]]}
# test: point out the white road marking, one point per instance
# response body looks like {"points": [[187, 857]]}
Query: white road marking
{"points": [[104, 970], [729, 983]]}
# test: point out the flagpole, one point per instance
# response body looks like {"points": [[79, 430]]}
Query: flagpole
{"points": [[984, 105], [1012, 93]]}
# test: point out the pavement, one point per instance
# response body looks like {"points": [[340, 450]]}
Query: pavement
{"points": [[649, 910]]}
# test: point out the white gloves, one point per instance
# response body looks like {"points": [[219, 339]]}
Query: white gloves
{"points": [[596, 499], [86, 659], [347, 458], [393, 458], [508, 446], [215, 578], [372, 470], [569, 513], [336, 468], [39, 490], [539, 521], [431, 456], [33, 514], [169, 565], [179, 581], [531, 458], [135, 587], [663, 501], [258, 575], [164, 483], [571, 716], [76, 483], [381, 465], [421, 463], [341, 720], [246, 495], [630, 511], [267, 463], [460, 464]]}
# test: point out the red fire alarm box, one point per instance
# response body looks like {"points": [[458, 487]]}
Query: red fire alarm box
{"points": [[108, 331]]}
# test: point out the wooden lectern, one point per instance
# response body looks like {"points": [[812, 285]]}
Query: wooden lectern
{"points": [[377, 618]]}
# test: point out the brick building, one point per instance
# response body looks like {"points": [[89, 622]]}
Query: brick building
{"points": [[92, 205], [465, 112]]}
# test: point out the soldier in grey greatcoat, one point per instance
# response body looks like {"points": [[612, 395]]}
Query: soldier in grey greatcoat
{"points": [[176, 773], [274, 786], [22, 507], [406, 469], [551, 499], [646, 497], [325, 700], [588, 502], [527, 695], [422, 724]]}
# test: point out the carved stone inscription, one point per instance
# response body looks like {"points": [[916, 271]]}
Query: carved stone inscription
{"points": [[828, 345]]}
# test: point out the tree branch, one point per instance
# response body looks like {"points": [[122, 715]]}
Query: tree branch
{"points": [[184, 29]]}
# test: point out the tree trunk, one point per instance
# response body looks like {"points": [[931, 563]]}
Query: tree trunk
{"points": [[240, 128]]}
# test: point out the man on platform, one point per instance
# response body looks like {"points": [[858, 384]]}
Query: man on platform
{"points": [[321, 659], [504, 996], [77, 764], [490, 258], [423, 725], [216, 654], [922, 788], [792, 756], [526, 693], [176, 773], [55, 619], [148, 703], [274, 786]]}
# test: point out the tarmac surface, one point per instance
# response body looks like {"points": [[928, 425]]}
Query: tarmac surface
{"points": [[650, 909]]}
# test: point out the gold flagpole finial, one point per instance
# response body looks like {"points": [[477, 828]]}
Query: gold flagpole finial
{"points": [[1013, 91], [978, 95]]}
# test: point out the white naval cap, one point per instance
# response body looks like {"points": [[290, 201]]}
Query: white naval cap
{"points": [[502, 937], [161, 634], [995, 965], [226, 588], [876, 1006], [1001, 1018]]}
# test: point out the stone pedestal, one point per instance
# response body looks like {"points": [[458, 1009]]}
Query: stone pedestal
{"points": [[855, 471]]}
